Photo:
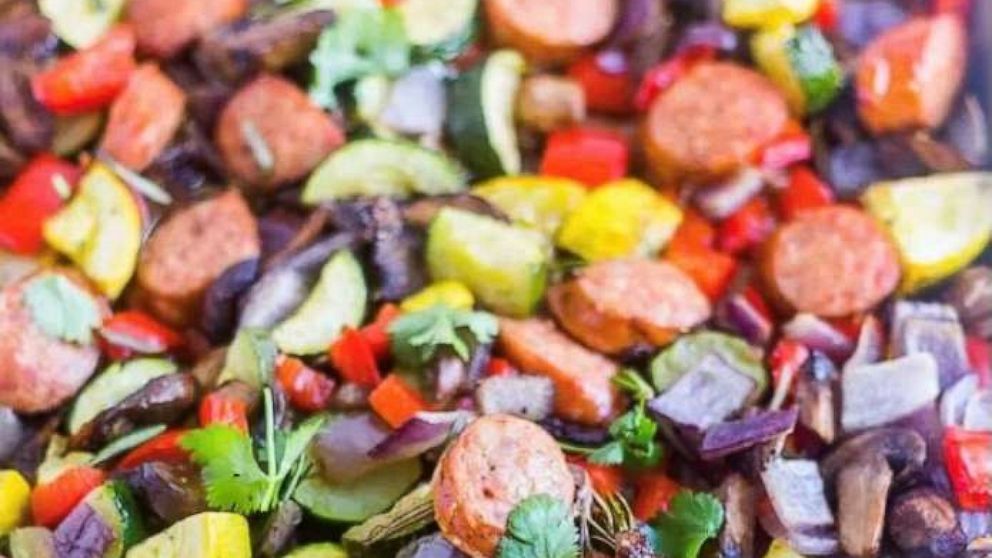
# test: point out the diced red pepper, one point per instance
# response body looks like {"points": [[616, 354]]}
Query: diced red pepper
{"points": [[968, 458], [88, 79], [377, 333], [606, 80], [591, 156], [33, 197], [757, 301], [605, 479], [52, 502], [980, 357], [827, 16], [787, 358], [748, 227], [960, 7], [805, 191], [307, 389], [218, 408], [695, 231], [164, 447], [791, 147], [710, 269], [395, 401], [498, 367], [469, 57], [653, 492], [659, 78], [354, 359], [133, 331]]}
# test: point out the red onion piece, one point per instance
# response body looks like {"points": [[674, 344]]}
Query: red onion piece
{"points": [[719, 201], [737, 314], [423, 432], [709, 33], [735, 436], [818, 335]]}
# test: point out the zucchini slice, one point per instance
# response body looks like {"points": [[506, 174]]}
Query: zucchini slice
{"points": [[355, 502], [439, 28], [376, 167], [80, 23], [337, 301], [113, 385], [480, 115]]}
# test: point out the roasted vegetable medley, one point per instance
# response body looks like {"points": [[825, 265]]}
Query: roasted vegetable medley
{"points": [[495, 278]]}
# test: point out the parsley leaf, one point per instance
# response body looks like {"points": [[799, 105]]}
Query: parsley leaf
{"points": [[634, 442], [539, 527], [416, 337], [62, 309], [361, 42], [692, 518]]}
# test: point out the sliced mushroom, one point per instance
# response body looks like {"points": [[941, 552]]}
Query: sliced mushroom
{"points": [[862, 490], [815, 397], [903, 449], [279, 528], [739, 499], [797, 493], [923, 521], [530, 397], [547, 103]]}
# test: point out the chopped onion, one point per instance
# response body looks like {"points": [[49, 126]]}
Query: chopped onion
{"points": [[869, 397], [704, 396], [423, 432], [796, 491], [978, 412], [737, 314], [719, 201], [955, 399], [919, 327], [818, 335], [870, 346], [739, 435]]}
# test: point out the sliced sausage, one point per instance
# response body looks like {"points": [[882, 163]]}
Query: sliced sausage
{"points": [[908, 77], [143, 118], [583, 390], [273, 112], [550, 31], [495, 463], [712, 121], [38, 372], [832, 261], [164, 28], [192, 249], [617, 305]]}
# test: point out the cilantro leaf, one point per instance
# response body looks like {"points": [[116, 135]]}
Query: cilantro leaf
{"points": [[692, 518], [361, 42], [231, 475], [62, 309], [251, 358], [634, 444], [417, 336], [539, 527], [610, 454], [632, 382]]}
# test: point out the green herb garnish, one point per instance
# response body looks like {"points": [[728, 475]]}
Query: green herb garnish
{"points": [[416, 337], [539, 527]]}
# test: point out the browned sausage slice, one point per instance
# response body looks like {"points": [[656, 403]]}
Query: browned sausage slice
{"points": [[909, 76], [190, 250], [831, 261], [38, 372], [550, 30], [616, 305], [165, 27], [276, 113], [583, 390], [712, 121], [497, 462], [143, 118]]}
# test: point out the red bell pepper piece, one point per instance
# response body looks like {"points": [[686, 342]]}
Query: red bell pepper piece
{"points": [[52, 502], [792, 146], [827, 16], [980, 358], [498, 367], [659, 78], [748, 227], [710, 269], [34, 197], [307, 389], [805, 191], [968, 458], [606, 80], [695, 231], [605, 479], [164, 447], [218, 408], [787, 358], [354, 359], [960, 7], [395, 401], [133, 331], [376, 334], [591, 156], [653, 492], [88, 79]]}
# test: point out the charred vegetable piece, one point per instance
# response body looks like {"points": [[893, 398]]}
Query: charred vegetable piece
{"points": [[380, 535], [923, 520], [172, 491], [112, 386]]}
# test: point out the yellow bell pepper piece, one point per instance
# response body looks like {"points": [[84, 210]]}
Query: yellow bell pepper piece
{"points": [[768, 51], [450, 293], [619, 219], [781, 549], [205, 535], [15, 493], [754, 14], [939, 223], [540, 202]]}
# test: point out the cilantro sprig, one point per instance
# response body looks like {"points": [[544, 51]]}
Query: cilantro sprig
{"points": [[692, 519], [234, 479], [539, 527], [62, 309], [416, 337]]}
